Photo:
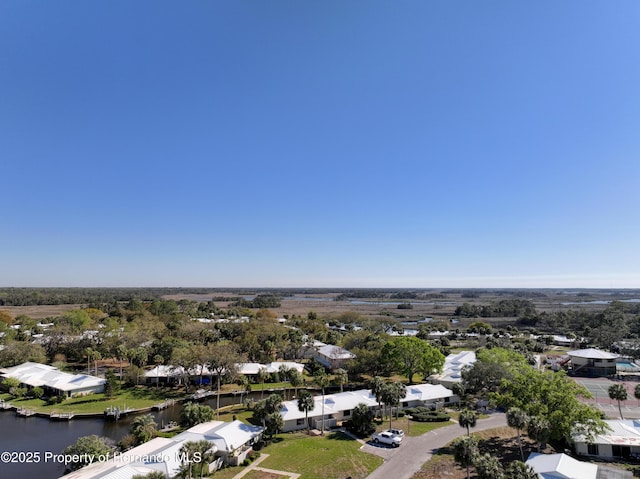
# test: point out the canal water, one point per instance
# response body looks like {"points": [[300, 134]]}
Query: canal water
{"points": [[40, 435]]}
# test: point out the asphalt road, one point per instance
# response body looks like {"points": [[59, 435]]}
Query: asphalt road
{"points": [[404, 461]]}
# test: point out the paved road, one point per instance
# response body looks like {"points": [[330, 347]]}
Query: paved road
{"points": [[415, 451]]}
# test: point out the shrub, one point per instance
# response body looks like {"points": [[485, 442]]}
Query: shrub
{"points": [[430, 416]]}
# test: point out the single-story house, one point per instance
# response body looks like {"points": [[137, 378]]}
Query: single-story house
{"points": [[592, 362], [230, 444], [452, 369], [167, 374], [338, 407], [53, 381], [621, 441], [252, 369], [561, 466]]}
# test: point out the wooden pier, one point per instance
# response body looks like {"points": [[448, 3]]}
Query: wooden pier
{"points": [[164, 404], [114, 413], [24, 412], [61, 416]]}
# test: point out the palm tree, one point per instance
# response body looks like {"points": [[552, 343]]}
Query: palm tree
{"points": [[306, 403], [468, 419], [121, 351], [517, 419], [459, 390], [88, 353], [262, 375], [619, 393], [144, 428], [392, 394], [519, 470], [377, 385], [322, 380], [296, 380], [158, 360], [465, 450], [342, 376], [243, 382], [539, 429], [488, 467], [187, 455], [636, 391]]}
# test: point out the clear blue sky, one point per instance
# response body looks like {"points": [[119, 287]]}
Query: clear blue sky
{"points": [[293, 143]]}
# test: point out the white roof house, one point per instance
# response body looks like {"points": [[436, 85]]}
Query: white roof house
{"points": [[592, 353], [621, 434], [162, 454], [453, 366], [561, 466], [48, 377], [168, 371], [338, 406], [251, 369]]}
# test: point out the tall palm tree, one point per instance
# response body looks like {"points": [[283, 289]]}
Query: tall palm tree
{"points": [[468, 419], [392, 394], [322, 380], [518, 419], [296, 380], [377, 386], [262, 375], [618, 393], [465, 451], [306, 403], [342, 377]]}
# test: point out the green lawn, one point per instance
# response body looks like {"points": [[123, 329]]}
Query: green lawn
{"points": [[334, 456], [412, 428], [136, 398]]}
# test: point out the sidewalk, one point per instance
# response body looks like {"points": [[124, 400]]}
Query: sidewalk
{"points": [[254, 465]]}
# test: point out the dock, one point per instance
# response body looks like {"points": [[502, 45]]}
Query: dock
{"points": [[24, 412], [114, 413], [5, 405], [202, 394], [163, 405], [61, 416]]}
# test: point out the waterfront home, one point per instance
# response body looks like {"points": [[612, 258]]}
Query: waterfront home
{"points": [[592, 362], [230, 443], [53, 381], [339, 407], [452, 369], [167, 374]]}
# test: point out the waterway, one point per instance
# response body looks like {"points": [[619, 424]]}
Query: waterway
{"points": [[35, 434]]}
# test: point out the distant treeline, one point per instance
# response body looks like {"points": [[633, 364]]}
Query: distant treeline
{"points": [[261, 301], [53, 296], [501, 309]]}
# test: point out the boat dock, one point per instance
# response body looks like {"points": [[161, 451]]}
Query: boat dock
{"points": [[61, 416], [24, 412], [164, 404], [114, 413]]}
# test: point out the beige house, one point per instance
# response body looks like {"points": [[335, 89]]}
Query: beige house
{"points": [[592, 362]]}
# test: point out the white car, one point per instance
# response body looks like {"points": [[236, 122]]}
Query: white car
{"points": [[396, 432], [386, 437]]}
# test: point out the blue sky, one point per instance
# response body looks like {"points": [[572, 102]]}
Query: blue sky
{"points": [[328, 144]]}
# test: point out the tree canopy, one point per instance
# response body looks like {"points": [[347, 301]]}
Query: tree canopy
{"points": [[409, 355]]}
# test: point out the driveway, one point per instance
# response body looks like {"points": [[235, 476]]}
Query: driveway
{"points": [[404, 461]]}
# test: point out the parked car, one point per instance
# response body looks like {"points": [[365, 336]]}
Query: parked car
{"points": [[396, 432], [385, 437]]}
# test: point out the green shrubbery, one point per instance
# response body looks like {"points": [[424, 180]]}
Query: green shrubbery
{"points": [[424, 414]]}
